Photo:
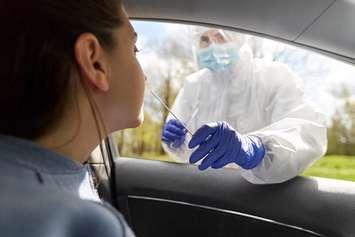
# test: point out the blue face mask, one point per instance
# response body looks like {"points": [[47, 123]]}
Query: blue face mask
{"points": [[218, 57]]}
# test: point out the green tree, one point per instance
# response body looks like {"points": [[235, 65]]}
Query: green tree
{"points": [[341, 133], [336, 136]]}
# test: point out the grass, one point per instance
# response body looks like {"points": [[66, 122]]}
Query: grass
{"points": [[334, 167]]}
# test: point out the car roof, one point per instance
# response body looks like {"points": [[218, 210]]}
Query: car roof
{"points": [[324, 26]]}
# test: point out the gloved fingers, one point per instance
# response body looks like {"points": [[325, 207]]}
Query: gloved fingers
{"points": [[220, 164], [226, 159], [166, 140], [228, 154], [202, 134], [177, 143], [211, 158], [177, 130], [201, 152], [171, 136], [206, 147], [222, 148], [176, 123]]}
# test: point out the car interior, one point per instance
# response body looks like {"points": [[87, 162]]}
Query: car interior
{"points": [[163, 199]]}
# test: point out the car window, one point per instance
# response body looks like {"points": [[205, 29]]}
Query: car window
{"points": [[171, 58]]}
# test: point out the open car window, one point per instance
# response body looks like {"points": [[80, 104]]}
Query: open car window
{"points": [[168, 55]]}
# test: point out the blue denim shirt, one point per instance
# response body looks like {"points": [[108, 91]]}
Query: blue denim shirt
{"points": [[28, 163]]}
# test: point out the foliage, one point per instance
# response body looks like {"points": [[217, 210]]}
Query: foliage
{"points": [[334, 167], [341, 133], [133, 142], [166, 78]]}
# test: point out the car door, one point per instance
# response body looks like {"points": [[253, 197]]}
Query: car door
{"points": [[160, 197], [166, 199]]}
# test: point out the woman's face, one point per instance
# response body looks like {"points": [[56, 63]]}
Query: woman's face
{"points": [[127, 81]]}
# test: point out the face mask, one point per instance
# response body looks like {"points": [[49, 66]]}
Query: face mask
{"points": [[218, 57]]}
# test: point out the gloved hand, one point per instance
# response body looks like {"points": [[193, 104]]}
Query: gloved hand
{"points": [[219, 144], [173, 133]]}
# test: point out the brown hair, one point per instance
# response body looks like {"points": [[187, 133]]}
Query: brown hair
{"points": [[37, 57]]}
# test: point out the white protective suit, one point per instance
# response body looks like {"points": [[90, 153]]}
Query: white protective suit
{"points": [[258, 98]]}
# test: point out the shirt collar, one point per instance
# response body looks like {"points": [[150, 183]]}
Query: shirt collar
{"points": [[32, 155]]}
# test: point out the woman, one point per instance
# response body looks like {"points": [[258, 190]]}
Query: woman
{"points": [[69, 77]]}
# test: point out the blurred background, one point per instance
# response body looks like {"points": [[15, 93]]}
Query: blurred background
{"points": [[167, 57]]}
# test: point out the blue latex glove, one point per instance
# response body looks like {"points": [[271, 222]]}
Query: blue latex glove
{"points": [[173, 133], [219, 144]]}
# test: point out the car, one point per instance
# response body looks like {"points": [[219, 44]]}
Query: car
{"points": [[169, 199], [161, 197]]}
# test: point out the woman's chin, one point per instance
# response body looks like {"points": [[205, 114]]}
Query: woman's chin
{"points": [[119, 124], [138, 121]]}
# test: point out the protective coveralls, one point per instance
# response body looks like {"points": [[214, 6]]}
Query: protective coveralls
{"points": [[258, 98]]}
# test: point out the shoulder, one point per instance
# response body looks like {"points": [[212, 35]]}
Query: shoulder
{"points": [[267, 67], [277, 74], [94, 219], [40, 211]]}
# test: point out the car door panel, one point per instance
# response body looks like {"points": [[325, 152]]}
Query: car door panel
{"points": [[159, 197]]}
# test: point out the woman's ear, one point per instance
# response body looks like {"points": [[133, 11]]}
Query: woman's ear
{"points": [[92, 62]]}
